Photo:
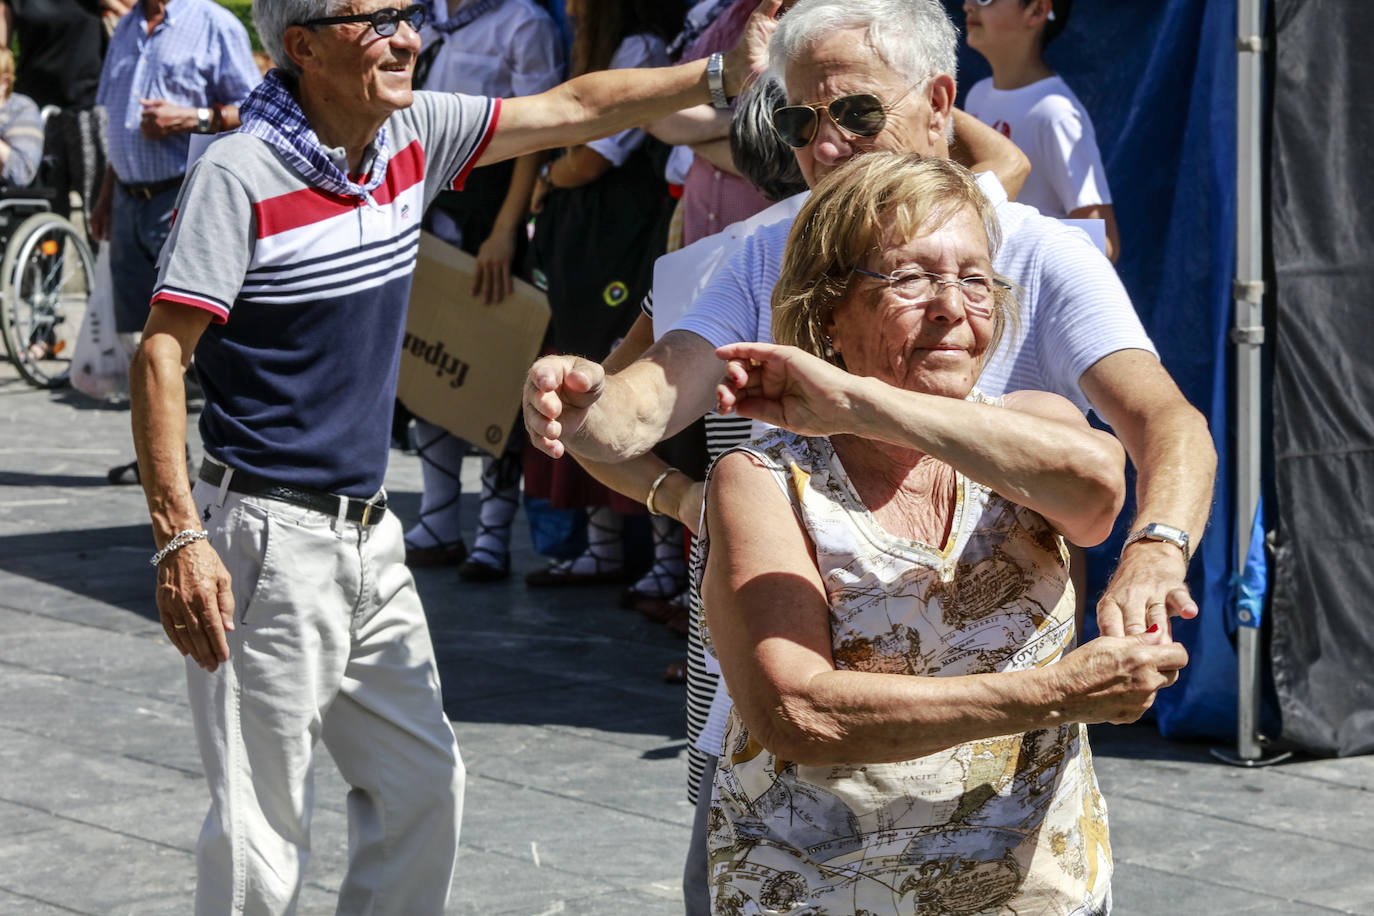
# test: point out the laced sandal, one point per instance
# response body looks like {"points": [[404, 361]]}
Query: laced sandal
{"points": [[562, 573], [437, 555], [657, 585], [481, 566]]}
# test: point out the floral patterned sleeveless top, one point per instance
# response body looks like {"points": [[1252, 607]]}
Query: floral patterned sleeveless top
{"points": [[1005, 825]]}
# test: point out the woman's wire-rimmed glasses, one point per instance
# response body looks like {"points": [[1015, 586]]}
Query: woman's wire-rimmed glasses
{"points": [[384, 22], [862, 114], [921, 286]]}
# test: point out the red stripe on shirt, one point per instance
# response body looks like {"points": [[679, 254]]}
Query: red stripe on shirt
{"points": [[313, 205], [218, 312], [462, 176], [405, 170]]}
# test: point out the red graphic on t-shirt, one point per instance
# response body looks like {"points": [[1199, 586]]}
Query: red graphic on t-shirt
{"points": [[1004, 127]]}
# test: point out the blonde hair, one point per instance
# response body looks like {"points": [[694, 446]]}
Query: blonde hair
{"points": [[845, 220]]}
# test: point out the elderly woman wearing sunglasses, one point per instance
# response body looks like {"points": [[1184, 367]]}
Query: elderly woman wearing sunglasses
{"points": [[908, 732]]}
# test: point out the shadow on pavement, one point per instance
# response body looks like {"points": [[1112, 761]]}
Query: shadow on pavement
{"points": [[24, 479], [105, 565]]}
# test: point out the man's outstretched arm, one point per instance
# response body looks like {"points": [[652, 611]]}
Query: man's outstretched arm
{"points": [[603, 103], [1169, 444]]}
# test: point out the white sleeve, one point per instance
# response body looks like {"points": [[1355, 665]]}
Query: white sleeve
{"points": [[727, 311], [1082, 313], [1069, 155]]}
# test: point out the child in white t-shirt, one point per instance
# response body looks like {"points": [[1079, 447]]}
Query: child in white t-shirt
{"points": [[1027, 102]]}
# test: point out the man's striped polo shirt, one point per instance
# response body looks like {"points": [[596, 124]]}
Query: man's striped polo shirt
{"points": [[308, 293]]}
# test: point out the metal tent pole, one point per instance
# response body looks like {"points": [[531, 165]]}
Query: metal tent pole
{"points": [[1247, 334]]}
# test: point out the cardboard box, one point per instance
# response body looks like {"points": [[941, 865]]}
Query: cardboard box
{"points": [[463, 363]]}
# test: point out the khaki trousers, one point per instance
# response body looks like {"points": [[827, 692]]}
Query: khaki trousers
{"points": [[330, 644]]}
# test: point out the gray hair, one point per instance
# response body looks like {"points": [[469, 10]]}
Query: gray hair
{"points": [[913, 37], [758, 151], [273, 17]]}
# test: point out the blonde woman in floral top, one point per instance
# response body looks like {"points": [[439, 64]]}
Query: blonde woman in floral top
{"points": [[894, 615]]}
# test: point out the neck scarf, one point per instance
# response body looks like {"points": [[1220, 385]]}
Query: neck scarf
{"points": [[272, 114]]}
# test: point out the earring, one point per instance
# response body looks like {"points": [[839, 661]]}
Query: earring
{"points": [[829, 346]]}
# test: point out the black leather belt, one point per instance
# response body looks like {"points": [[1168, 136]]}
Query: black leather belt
{"points": [[359, 510], [149, 191]]}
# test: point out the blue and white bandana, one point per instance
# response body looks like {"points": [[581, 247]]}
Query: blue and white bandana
{"points": [[272, 114]]}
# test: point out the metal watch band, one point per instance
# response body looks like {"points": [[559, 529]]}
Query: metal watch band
{"points": [[1156, 531], [715, 80]]}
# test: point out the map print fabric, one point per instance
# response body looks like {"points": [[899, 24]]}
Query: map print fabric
{"points": [[1006, 825]]}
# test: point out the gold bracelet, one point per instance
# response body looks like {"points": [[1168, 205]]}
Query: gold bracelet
{"points": [[653, 488]]}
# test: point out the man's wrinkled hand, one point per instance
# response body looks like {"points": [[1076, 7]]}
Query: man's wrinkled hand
{"points": [[1146, 590], [162, 119], [559, 390], [196, 604]]}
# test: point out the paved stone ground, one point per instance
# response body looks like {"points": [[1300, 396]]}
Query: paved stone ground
{"points": [[574, 747]]}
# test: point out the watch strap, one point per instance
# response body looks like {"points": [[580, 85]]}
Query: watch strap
{"points": [[715, 80], [1158, 531]]}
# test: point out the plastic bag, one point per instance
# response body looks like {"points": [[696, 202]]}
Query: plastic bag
{"points": [[100, 359]]}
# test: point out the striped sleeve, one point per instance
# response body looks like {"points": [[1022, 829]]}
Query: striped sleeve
{"points": [[211, 243], [455, 129]]}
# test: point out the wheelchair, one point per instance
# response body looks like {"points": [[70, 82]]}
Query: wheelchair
{"points": [[45, 280]]}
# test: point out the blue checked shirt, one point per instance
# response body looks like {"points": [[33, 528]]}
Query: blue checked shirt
{"points": [[199, 55]]}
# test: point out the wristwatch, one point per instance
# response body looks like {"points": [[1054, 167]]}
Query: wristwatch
{"points": [[715, 80], [1156, 531], [203, 116]]}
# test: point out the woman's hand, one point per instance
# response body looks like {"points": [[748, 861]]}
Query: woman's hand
{"points": [[492, 280], [1115, 679], [786, 387], [749, 57]]}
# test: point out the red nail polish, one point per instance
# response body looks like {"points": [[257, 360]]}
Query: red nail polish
{"points": [[1153, 628]]}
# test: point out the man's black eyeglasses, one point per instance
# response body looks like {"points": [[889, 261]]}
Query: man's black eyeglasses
{"points": [[384, 22]]}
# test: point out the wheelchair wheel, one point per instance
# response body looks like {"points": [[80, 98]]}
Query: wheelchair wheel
{"points": [[45, 281]]}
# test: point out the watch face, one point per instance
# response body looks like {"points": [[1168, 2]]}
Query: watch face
{"points": [[1166, 532]]}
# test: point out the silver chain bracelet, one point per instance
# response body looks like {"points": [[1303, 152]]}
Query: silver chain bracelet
{"points": [[178, 541]]}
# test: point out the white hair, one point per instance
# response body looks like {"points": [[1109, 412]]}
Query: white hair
{"points": [[273, 17], [913, 37]]}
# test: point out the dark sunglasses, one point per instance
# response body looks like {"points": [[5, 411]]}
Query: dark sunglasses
{"points": [[862, 114], [384, 22]]}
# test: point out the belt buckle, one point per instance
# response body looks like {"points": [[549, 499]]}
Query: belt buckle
{"points": [[367, 513]]}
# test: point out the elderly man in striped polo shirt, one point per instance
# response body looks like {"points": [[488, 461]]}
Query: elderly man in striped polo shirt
{"points": [[281, 575]]}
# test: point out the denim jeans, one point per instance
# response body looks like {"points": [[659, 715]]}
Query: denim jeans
{"points": [[138, 229]]}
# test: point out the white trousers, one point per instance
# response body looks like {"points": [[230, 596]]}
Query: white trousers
{"points": [[330, 643]]}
